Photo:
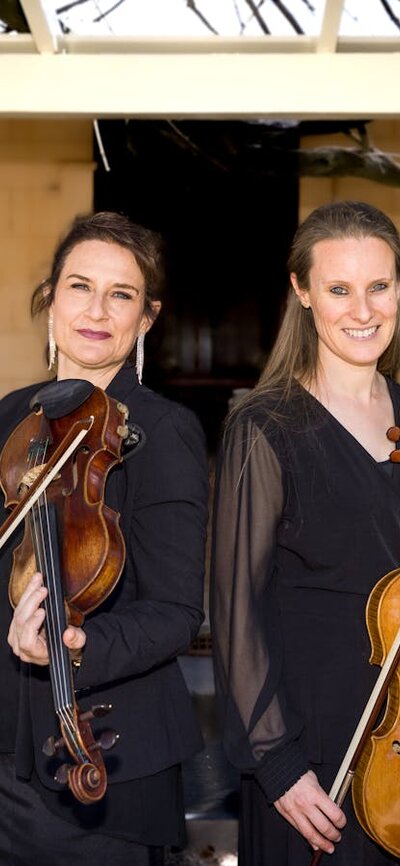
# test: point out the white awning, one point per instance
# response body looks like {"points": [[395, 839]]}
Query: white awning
{"points": [[48, 73]]}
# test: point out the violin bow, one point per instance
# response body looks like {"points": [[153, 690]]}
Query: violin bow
{"points": [[49, 471], [363, 730]]}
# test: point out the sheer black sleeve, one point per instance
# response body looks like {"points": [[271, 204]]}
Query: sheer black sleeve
{"points": [[259, 732]]}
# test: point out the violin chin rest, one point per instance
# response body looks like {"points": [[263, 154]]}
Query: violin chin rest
{"points": [[60, 398]]}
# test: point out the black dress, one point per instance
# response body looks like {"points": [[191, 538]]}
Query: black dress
{"points": [[306, 522], [133, 639]]}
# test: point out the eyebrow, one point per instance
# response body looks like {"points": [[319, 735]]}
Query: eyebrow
{"points": [[388, 279], [116, 285]]}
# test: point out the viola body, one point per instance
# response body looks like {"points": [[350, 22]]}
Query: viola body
{"points": [[90, 542], [376, 782], [74, 539]]}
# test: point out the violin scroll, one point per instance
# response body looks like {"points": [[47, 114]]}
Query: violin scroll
{"points": [[74, 539], [87, 779]]}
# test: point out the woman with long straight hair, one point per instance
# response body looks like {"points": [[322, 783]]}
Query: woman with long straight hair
{"points": [[307, 519]]}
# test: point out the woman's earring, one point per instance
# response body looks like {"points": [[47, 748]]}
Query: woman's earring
{"points": [[52, 343], [139, 357]]}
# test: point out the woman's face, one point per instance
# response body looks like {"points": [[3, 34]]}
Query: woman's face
{"points": [[98, 310], [353, 294]]}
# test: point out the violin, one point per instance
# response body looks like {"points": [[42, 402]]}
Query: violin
{"points": [[376, 782], [53, 471], [371, 764]]}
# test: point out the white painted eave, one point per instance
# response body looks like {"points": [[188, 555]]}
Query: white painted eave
{"points": [[199, 85], [24, 43]]}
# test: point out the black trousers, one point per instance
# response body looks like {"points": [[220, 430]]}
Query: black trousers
{"points": [[30, 835]]}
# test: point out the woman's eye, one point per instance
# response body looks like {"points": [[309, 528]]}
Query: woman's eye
{"points": [[126, 296], [379, 287], [79, 286], [338, 290]]}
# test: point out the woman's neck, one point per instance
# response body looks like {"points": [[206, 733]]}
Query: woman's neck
{"points": [[337, 379], [100, 377]]}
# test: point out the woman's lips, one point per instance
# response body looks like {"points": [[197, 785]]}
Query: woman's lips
{"points": [[94, 335]]}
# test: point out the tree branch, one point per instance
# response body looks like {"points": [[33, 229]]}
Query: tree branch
{"points": [[257, 16], [289, 17], [192, 6], [391, 14], [328, 161]]}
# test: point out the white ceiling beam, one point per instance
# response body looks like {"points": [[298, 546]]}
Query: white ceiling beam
{"points": [[330, 26], [23, 43], [220, 86], [43, 25]]}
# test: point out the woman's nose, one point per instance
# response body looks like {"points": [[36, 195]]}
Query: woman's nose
{"points": [[362, 309], [97, 306]]}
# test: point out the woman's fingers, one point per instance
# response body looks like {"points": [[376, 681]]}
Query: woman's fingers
{"points": [[74, 638], [309, 809], [26, 636]]}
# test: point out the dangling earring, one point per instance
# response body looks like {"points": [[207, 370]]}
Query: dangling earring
{"points": [[52, 343], [139, 357]]}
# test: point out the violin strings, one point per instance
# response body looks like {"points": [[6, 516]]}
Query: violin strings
{"points": [[60, 669]]}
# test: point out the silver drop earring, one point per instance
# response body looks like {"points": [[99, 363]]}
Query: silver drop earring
{"points": [[139, 357], [52, 343]]}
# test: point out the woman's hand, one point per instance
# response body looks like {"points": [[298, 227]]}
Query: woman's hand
{"points": [[309, 809], [26, 635]]}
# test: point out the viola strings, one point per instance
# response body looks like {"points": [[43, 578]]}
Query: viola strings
{"points": [[60, 666]]}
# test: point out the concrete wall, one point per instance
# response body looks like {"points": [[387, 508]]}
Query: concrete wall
{"points": [[46, 177]]}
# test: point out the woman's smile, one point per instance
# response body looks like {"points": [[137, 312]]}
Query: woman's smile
{"points": [[361, 333], [94, 335]]}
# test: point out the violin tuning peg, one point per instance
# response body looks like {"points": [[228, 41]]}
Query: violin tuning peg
{"points": [[124, 409], [123, 430], [106, 740], [62, 774], [394, 456], [51, 746], [95, 712]]}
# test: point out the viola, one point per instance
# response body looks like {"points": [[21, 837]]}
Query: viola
{"points": [[376, 783], [371, 764], [53, 469]]}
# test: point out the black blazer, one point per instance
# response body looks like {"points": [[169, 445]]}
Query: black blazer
{"points": [[154, 613]]}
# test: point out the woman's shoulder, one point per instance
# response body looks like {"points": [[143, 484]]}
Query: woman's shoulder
{"points": [[20, 399], [14, 407], [154, 407], [168, 426], [146, 406], [269, 411]]}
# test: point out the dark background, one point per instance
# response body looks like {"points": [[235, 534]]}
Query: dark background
{"points": [[224, 196]]}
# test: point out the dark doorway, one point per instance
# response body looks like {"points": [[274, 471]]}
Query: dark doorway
{"points": [[221, 195]]}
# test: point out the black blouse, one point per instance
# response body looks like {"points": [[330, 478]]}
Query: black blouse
{"points": [[305, 523], [135, 636]]}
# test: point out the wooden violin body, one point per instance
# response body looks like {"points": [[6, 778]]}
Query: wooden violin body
{"points": [[376, 782], [91, 545], [371, 765], [74, 539]]}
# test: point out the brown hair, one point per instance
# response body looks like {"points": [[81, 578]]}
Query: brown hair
{"points": [[114, 228]]}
